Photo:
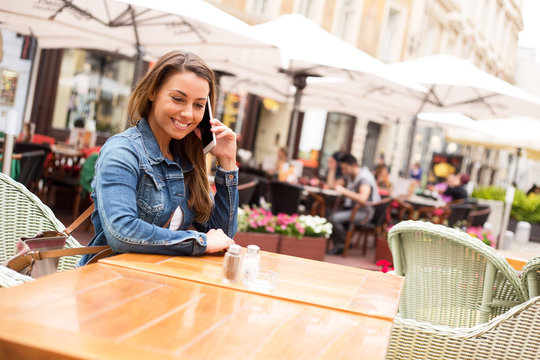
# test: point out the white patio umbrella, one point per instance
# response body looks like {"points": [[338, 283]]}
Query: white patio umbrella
{"points": [[140, 28], [500, 133], [519, 133], [456, 85], [309, 50], [144, 29]]}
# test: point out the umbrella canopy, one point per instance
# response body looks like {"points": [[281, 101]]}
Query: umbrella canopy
{"points": [[142, 27], [309, 50], [456, 85], [502, 133]]}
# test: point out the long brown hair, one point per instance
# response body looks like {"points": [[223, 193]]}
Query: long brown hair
{"points": [[190, 147]]}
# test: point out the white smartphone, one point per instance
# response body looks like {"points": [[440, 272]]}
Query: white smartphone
{"points": [[208, 138]]}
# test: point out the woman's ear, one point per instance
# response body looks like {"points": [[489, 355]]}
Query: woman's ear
{"points": [[152, 96]]}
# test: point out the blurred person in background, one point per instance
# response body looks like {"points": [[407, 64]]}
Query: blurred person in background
{"points": [[357, 186]]}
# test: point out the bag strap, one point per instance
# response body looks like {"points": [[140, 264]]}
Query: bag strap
{"points": [[20, 262], [79, 220]]}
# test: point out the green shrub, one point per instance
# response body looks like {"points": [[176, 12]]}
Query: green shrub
{"points": [[524, 208], [490, 193]]}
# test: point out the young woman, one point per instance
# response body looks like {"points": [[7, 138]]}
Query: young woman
{"points": [[151, 190]]}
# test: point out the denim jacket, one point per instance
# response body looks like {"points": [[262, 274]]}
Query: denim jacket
{"points": [[136, 190]]}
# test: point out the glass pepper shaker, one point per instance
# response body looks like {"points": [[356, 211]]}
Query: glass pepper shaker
{"points": [[252, 263], [232, 264]]}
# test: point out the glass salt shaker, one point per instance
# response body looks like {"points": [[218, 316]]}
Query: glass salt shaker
{"points": [[252, 263], [232, 264]]}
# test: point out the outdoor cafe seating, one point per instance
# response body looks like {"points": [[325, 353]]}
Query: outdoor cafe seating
{"points": [[451, 278], [24, 214], [511, 335], [530, 277], [374, 227]]}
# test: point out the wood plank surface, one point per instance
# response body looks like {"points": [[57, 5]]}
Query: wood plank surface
{"points": [[109, 312], [518, 258], [313, 282]]}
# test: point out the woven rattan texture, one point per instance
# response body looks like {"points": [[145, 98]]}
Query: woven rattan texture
{"points": [[510, 336], [530, 277], [23, 214], [445, 273]]}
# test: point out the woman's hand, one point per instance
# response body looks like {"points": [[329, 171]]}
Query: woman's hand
{"points": [[225, 149], [216, 240]]}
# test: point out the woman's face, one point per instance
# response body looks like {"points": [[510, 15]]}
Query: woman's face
{"points": [[178, 106]]}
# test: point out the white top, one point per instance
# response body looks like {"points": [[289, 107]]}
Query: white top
{"points": [[177, 219]]}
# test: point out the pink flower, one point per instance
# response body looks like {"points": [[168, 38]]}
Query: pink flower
{"points": [[386, 265]]}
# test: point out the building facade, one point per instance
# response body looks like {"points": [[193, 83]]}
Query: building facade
{"points": [[484, 32], [88, 84]]}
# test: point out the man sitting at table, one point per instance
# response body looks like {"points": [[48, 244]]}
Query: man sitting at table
{"points": [[358, 186]]}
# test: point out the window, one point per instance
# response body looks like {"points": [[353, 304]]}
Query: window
{"points": [[259, 7], [306, 8], [93, 91], [337, 136], [430, 38], [345, 21], [390, 48]]}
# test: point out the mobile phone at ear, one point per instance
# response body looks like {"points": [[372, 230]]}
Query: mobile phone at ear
{"points": [[208, 138]]}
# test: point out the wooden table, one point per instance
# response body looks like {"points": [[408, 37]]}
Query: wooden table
{"points": [[419, 201], [321, 198], [518, 258], [106, 311], [313, 282]]}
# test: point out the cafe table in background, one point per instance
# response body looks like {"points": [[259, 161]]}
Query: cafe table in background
{"points": [[139, 306]]}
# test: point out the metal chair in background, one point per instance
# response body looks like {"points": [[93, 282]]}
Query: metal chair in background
{"points": [[285, 197], [478, 217], [375, 226], [247, 192], [458, 214], [32, 162]]}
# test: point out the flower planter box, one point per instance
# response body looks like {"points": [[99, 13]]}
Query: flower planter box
{"points": [[307, 247], [266, 242], [382, 250]]}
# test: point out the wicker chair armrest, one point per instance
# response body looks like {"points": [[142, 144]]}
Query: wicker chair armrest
{"points": [[512, 335], [9, 278], [530, 278]]}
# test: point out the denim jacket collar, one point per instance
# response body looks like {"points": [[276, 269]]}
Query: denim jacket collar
{"points": [[152, 149]]}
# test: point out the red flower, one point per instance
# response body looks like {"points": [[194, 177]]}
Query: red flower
{"points": [[386, 265]]}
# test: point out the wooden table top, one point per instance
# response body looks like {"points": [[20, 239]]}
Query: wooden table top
{"points": [[313, 282], [518, 258], [106, 312], [418, 201]]}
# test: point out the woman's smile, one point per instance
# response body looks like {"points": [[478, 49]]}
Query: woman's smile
{"points": [[180, 125]]}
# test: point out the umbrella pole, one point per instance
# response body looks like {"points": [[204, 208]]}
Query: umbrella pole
{"points": [[412, 131], [8, 153], [138, 67], [299, 82]]}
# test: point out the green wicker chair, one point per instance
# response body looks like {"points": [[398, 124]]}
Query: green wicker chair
{"points": [[23, 214], [512, 335], [530, 277], [451, 278]]}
